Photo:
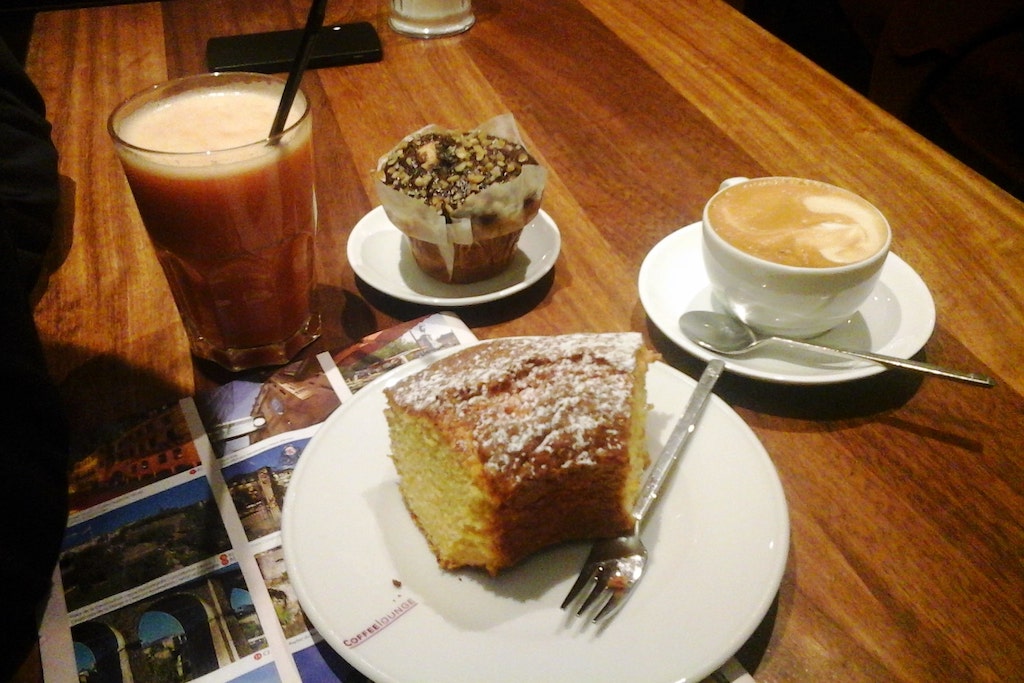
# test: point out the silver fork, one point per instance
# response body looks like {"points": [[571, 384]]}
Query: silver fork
{"points": [[615, 565]]}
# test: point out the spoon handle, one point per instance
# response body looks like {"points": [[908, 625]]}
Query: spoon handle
{"points": [[898, 363]]}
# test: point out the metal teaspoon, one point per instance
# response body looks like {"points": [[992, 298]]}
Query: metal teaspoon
{"points": [[728, 336]]}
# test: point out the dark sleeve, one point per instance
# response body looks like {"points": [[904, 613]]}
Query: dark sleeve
{"points": [[29, 187], [33, 430]]}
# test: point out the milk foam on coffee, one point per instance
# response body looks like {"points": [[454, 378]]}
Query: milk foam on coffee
{"points": [[798, 222], [205, 120]]}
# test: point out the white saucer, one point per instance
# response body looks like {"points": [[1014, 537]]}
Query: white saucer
{"points": [[896, 320], [380, 255], [368, 582]]}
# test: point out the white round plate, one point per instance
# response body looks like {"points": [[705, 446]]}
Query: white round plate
{"points": [[896, 320], [380, 255], [368, 582]]}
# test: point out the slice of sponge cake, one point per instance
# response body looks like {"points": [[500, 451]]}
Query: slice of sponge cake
{"points": [[513, 445]]}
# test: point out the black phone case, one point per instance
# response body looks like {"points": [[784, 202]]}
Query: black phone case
{"points": [[274, 52]]}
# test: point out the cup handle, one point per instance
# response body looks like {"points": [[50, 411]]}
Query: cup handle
{"points": [[729, 182]]}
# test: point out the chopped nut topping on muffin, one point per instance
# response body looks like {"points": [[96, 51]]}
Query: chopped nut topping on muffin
{"points": [[444, 168]]}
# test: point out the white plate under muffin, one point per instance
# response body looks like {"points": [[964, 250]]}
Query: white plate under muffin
{"points": [[379, 254]]}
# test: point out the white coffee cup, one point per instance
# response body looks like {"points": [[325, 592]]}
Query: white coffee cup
{"points": [[792, 256]]}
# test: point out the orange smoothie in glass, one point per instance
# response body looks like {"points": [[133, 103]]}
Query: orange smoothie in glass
{"points": [[232, 214]]}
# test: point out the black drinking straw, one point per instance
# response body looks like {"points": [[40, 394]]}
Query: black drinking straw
{"points": [[314, 22]]}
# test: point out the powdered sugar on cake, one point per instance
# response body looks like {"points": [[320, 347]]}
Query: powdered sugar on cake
{"points": [[533, 406], [514, 445]]}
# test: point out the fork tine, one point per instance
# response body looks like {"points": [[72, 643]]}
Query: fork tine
{"points": [[601, 577], [611, 607], [582, 580]]}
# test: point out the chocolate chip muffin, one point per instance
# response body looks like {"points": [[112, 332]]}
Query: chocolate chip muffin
{"points": [[462, 198]]}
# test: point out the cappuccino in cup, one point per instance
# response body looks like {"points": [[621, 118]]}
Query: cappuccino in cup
{"points": [[792, 256], [798, 222]]}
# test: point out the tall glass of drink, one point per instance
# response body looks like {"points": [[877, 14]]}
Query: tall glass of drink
{"points": [[230, 211]]}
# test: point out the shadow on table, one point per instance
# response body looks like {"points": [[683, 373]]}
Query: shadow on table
{"points": [[478, 315], [753, 651], [105, 389]]}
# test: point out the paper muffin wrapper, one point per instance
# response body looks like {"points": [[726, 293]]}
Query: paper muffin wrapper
{"points": [[498, 210], [472, 262]]}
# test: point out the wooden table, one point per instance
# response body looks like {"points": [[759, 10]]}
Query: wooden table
{"points": [[906, 496]]}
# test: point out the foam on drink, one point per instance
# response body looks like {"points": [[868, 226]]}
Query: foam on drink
{"points": [[205, 120], [798, 222]]}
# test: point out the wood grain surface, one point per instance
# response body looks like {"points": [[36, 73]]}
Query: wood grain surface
{"points": [[906, 495]]}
